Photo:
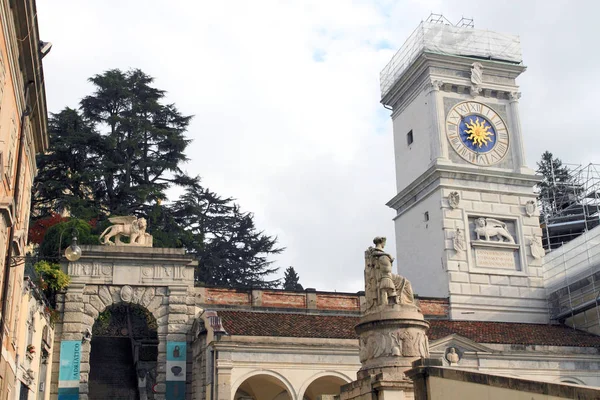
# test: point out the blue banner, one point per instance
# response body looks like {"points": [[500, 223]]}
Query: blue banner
{"points": [[68, 373], [176, 359]]}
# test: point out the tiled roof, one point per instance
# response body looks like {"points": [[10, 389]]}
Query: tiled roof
{"points": [[247, 323], [513, 333], [290, 325]]}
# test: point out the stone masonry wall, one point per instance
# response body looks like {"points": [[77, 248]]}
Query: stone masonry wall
{"points": [[518, 296]]}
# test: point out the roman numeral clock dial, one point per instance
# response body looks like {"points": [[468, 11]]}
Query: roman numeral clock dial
{"points": [[477, 133]]}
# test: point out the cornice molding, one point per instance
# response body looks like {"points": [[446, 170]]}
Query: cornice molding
{"points": [[431, 179]]}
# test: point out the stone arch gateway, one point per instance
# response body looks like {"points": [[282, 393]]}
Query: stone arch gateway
{"points": [[160, 280]]}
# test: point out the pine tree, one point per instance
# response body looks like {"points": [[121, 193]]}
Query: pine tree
{"points": [[229, 249], [290, 280], [557, 189], [69, 174], [144, 139]]}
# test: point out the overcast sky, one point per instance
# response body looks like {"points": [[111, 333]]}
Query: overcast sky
{"points": [[286, 100]]}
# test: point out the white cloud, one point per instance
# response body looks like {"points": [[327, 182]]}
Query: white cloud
{"points": [[286, 100]]}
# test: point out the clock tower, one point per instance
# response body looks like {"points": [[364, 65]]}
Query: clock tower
{"points": [[467, 224]]}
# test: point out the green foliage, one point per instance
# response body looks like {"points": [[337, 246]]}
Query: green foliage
{"points": [[51, 276], [69, 176], [51, 279], [53, 242], [229, 249], [165, 228], [143, 142], [290, 280]]}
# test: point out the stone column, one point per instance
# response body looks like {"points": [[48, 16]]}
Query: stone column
{"points": [[224, 367], [515, 126], [439, 146]]}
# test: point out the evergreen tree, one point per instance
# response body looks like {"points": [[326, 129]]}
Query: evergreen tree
{"points": [[69, 173], [229, 249], [144, 140], [557, 189], [290, 280]]}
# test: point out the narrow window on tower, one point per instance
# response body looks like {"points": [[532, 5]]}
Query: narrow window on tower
{"points": [[409, 138], [426, 216]]}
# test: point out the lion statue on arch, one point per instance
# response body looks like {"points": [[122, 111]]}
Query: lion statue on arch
{"points": [[133, 227]]}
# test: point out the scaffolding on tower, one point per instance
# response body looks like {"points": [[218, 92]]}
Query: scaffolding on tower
{"points": [[570, 221], [438, 35], [572, 206]]}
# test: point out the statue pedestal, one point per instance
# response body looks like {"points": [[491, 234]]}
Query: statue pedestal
{"points": [[391, 337]]}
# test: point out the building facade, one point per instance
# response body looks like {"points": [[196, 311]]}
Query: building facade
{"points": [[35, 338], [23, 134], [275, 344]]}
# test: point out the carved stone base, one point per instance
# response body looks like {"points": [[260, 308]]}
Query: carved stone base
{"points": [[391, 339]]}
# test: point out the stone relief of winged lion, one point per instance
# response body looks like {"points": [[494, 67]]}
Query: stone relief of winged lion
{"points": [[490, 227]]}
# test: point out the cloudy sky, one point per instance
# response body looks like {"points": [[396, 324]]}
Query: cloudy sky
{"points": [[285, 96]]}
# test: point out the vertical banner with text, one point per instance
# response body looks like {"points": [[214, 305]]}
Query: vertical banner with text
{"points": [[176, 359], [68, 373]]}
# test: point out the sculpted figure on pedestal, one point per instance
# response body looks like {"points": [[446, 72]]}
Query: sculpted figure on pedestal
{"points": [[133, 227], [382, 287]]}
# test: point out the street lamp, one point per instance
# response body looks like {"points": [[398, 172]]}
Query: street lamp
{"points": [[73, 252]]}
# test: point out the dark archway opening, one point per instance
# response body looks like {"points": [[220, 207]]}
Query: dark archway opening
{"points": [[123, 354]]}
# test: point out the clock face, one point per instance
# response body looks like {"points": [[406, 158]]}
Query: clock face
{"points": [[477, 133]]}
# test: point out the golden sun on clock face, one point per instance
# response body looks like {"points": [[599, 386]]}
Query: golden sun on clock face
{"points": [[477, 133]]}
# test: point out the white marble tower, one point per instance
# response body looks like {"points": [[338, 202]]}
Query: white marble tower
{"points": [[466, 220]]}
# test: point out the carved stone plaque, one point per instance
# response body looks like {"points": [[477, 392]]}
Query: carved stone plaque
{"points": [[486, 257]]}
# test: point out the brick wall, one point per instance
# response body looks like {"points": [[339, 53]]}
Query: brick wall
{"points": [[225, 296], [326, 301], [311, 299], [437, 308], [283, 299]]}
